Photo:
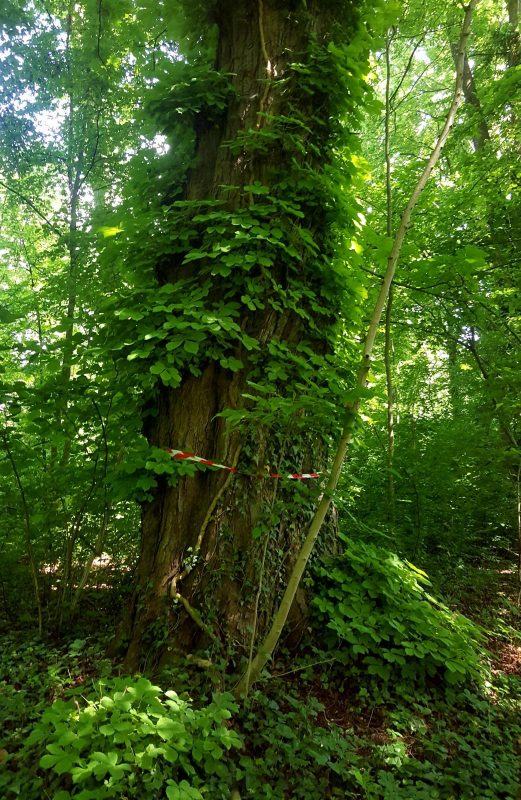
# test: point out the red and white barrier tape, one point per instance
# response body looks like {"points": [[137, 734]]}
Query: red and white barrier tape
{"points": [[294, 476]]}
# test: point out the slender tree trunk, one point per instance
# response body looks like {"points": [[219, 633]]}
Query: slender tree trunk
{"points": [[99, 544], [75, 159], [472, 99], [388, 344], [74, 166], [96, 553], [388, 361], [266, 649], [78, 149], [514, 53], [518, 520], [27, 531]]}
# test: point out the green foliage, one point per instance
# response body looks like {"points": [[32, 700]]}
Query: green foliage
{"points": [[419, 746], [203, 273], [309, 734], [129, 738], [116, 288], [32, 673], [292, 753], [144, 467], [454, 332], [65, 114], [464, 747], [375, 609], [185, 90]]}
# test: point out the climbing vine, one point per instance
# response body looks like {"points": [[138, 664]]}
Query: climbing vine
{"points": [[201, 273]]}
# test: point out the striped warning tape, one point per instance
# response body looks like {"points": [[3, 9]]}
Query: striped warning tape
{"points": [[293, 476]]}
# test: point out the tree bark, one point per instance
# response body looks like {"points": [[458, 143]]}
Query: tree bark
{"points": [[514, 51], [482, 134], [211, 516]]}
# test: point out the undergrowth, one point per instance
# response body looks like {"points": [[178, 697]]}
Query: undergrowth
{"points": [[393, 696]]}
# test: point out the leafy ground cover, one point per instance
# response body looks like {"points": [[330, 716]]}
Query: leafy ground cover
{"points": [[385, 717]]}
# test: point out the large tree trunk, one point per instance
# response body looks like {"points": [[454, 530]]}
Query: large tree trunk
{"points": [[211, 516]]}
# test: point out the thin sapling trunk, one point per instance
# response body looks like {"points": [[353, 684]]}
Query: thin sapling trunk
{"points": [[267, 647]]}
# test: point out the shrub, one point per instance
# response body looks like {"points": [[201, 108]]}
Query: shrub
{"points": [[375, 609], [132, 740]]}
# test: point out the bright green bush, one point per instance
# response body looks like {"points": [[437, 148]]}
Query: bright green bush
{"points": [[132, 740], [375, 609]]}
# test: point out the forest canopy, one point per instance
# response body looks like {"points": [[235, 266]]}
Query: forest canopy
{"points": [[259, 414]]}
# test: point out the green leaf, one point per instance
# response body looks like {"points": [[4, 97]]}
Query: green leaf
{"points": [[182, 791], [106, 730], [108, 231], [256, 188], [81, 774], [190, 346], [168, 728], [234, 364], [249, 342]]}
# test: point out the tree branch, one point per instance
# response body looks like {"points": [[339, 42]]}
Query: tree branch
{"points": [[32, 206]]}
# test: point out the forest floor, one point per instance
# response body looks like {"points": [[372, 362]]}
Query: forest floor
{"points": [[307, 732]]}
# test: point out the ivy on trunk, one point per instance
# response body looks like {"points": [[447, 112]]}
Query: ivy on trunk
{"points": [[250, 296]]}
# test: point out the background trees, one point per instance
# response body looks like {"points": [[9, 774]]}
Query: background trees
{"points": [[446, 311], [64, 111]]}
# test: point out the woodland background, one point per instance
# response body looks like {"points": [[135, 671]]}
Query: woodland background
{"points": [[199, 205]]}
